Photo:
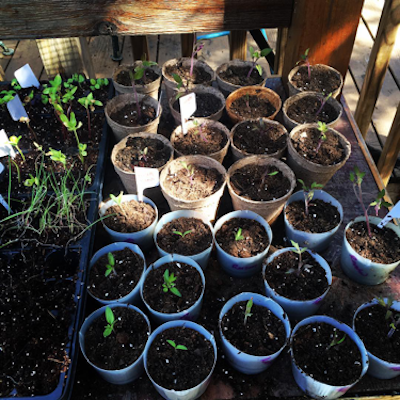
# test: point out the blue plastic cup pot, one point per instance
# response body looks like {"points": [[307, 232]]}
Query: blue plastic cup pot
{"points": [[201, 258], [312, 387], [121, 376], [188, 394], [243, 362], [297, 309], [313, 241], [241, 267], [379, 368], [361, 269], [191, 313], [143, 238], [132, 297]]}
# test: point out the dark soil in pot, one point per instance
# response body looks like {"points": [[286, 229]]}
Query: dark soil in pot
{"points": [[373, 328], [128, 115], [199, 74], [180, 369], [238, 76], [122, 280], [196, 238], [125, 344], [331, 151], [188, 282], [383, 247], [200, 140], [157, 154], [254, 182], [202, 183], [262, 335], [338, 365], [251, 106], [207, 104], [253, 238], [256, 139], [281, 275], [131, 216], [322, 216], [322, 80], [305, 110], [123, 77]]}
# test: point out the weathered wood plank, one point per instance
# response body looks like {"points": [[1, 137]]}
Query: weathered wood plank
{"points": [[100, 48], [5, 60], [2, 74], [67, 18], [187, 41], [281, 43], [140, 47], [238, 45]]}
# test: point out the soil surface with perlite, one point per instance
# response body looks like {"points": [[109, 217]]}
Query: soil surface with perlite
{"points": [[251, 106], [330, 152], [206, 104], [263, 333], [253, 238], [123, 346], [128, 115], [185, 236], [122, 280], [336, 365], [322, 216], [323, 80], [373, 329], [282, 276], [199, 74], [188, 282], [382, 247], [239, 76], [176, 368]]}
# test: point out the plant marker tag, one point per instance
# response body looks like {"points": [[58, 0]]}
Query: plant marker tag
{"points": [[159, 105], [25, 77], [1, 168], [393, 213], [146, 178], [188, 107], [5, 147], [16, 109], [5, 204]]}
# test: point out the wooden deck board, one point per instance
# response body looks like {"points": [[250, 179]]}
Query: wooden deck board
{"points": [[5, 60]]}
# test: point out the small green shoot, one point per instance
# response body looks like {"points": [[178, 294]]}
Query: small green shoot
{"points": [[247, 312], [118, 200], [27, 121], [180, 85], [96, 84], [380, 202], [176, 346], [323, 129], [110, 322], [6, 96], [256, 55], [15, 85], [143, 154], [110, 266], [238, 235], [394, 318], [169, 284], [14, 141], [190, 170], [264, 177], [89, 102], [181, 234], [336, 340], [323, 102], [304, 59], [32, 180], [58, 156], [308, 193], [299, 251]]}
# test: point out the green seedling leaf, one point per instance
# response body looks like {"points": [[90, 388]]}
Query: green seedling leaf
{"points": [[247, 312], [238, 235]]}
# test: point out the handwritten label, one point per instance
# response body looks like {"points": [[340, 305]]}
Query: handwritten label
{"points": [[393, 213], [5, 147], [188, 107], [25, 77], [5, 204], [146, 178], [16, 109]]}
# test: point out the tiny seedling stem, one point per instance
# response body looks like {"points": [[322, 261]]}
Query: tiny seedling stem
{"points": [[135, 96]]}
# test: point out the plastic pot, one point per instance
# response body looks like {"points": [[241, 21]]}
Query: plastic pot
{"points": [[294, 89], [243, 362], [361, 269], [121, 376], [298, 309], [218, 155], [379, 368], [269, 210], [200, 258], [208, 206], [313, 241], [144, 238], [134, 296], [291, 123], [188, 394], [258, 91], [312, 387], [191, 313], [117, 103], [151, 89], [309, 171], [236, 266], [227, 88]]}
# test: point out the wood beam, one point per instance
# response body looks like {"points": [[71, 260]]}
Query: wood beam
{"points": [[238, 45], [281, 43], [140, 47], [2, 74], [187, 41]]}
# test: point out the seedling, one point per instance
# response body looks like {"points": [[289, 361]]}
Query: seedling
{"points": [[72, 125], [27, 121], [380, 202], [247, 102], [247, 312], [336, 340], [143, 154], [58, 156], [182, 234], [69, 94], [180, 85], [264, 176], [304, 59], [141, 69], [323, 102], [15, 85], [308, 193], [118, 200], [32, 180], [238, 235], [110, 266], [393, 318], [199, 130], [169, 284], [13, 141], [108, 329], [256, 55], [196, 48], [96, 84], [190, 170], [299, 251], [7, 95], [176, 346], [89, 103], [322, 129], [135, 95]]}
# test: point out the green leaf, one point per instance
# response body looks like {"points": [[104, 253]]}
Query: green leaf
{"points": [[259, 69], [175, 291], [265, 52], [107, 331], [108, 272], [181, 347], [172, 343], [109, 316], [138, 74], [111, 259], [274, 173], [93, 82]]}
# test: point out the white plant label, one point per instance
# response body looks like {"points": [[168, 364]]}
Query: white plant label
{"points": [[393, 213], [146, 178], [159, 105], [188, 107], [16, 109], [5, 147], [25, 77], [5, 204], [1, 168]]}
